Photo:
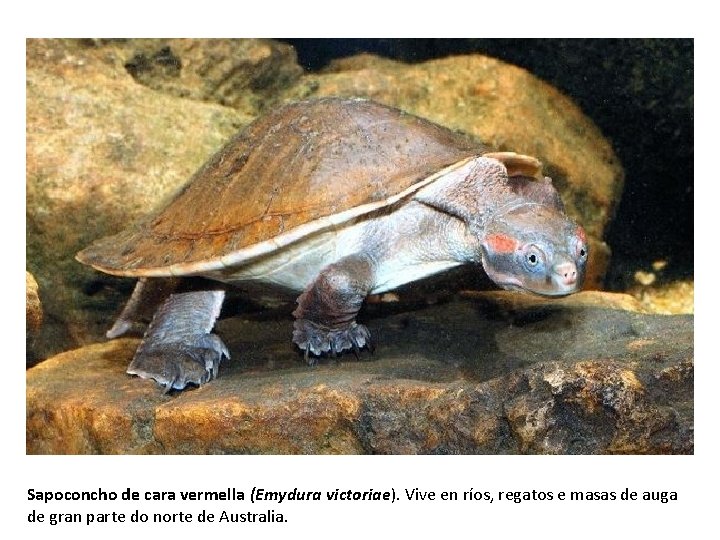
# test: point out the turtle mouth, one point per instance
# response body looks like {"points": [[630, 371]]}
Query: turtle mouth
{"points": [[556, 290], [505, 281], [511, 285], [552, 287], [555, 294]]}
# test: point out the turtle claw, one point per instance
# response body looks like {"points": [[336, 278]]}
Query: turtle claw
{"points": [[213, 352], [176, 365], [317, 340], [367, 340], [356, 350], [309, 360]]}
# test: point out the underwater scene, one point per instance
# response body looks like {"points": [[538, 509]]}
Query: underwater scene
{"points": [[359, 246]]}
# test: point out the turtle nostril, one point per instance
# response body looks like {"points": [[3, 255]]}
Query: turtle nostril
{"points": [[567, 273]]}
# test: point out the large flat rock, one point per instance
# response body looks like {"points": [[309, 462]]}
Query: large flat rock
{"points": [[490, 373]]}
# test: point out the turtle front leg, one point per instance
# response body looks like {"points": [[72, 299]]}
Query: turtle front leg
{"points": [[325, 316], [178, 348]]}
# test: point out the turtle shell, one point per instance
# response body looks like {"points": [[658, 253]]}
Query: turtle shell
{"points": [[300, 169]]}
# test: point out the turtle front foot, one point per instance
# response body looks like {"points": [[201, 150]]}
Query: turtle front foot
{"points": [[175, 365], [316, 339]]}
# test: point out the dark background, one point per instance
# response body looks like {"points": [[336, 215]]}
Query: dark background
{"points": [[638, 91]]}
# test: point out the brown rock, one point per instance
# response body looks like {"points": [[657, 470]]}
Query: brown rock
{"points": [[674, 298], [33, 307], [461, 377], [513, 301], [505, 107], [102, 150], [246, 74], [358, 62]]}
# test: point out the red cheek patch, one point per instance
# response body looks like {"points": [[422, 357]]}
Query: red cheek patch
{"points": [[500, 243], [580, 233]]}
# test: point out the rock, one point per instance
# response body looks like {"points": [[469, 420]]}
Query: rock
{"points": [[505, 107], [508, 300], [246, 74], [33, 307], [360, 61], [674, 298], [102, 150], [581, 376]]}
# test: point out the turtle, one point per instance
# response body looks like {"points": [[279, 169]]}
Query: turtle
{"points": [[335, 199]]}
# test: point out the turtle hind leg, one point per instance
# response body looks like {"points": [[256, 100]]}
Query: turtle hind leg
{"points": [[178, 348], [146, 297], [325, 316]]}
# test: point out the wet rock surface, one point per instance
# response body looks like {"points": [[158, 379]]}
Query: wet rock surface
{"points": [[485, 374]]}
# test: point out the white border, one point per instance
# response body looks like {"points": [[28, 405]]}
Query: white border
{"points": [[695, 477]]}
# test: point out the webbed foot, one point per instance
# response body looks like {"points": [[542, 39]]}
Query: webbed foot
{"points": [[316, 339], [175, 365]]}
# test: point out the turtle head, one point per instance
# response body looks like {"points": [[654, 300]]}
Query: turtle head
{"points": [[535, 247]]}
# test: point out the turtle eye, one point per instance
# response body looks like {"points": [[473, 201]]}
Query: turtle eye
{"points": [[533, 257], [581, 251], [581, 247]]}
